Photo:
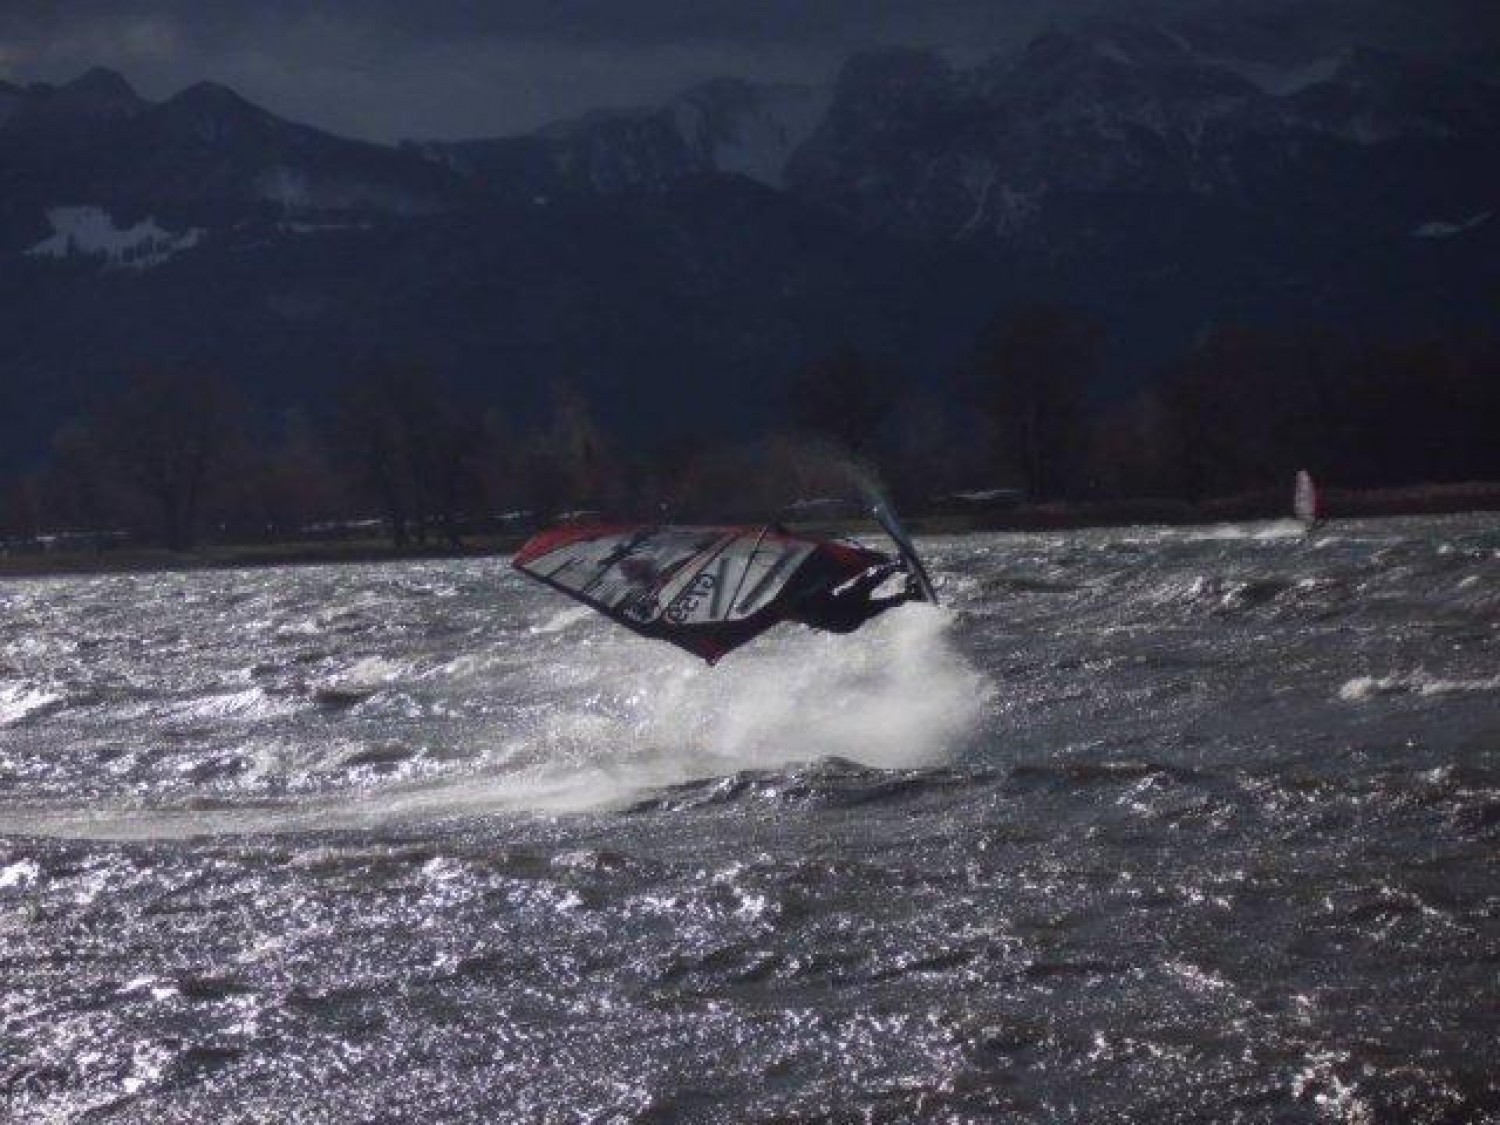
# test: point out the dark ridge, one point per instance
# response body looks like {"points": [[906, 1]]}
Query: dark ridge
{"points": [[101, 81], [98, 92], [214, 98]]}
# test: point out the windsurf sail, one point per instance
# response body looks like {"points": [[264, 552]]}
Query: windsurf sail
{"points": [[710, 590], [1305, 503]]}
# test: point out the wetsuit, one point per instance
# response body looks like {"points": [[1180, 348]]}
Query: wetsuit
{"points": [[844, 608]]}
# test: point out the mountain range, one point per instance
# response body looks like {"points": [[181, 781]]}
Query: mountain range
{"points": [[678, 263]]}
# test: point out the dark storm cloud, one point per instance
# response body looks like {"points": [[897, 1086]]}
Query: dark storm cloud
{"points": [[613, 22], [443, 68]]}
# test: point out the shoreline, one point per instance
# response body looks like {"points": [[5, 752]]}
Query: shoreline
{"points": [[1457, 499], [236, 556]]}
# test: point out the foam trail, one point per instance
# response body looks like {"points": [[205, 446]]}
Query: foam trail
{"points": [[894, 695]]}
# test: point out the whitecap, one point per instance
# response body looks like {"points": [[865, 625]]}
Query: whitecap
{"points": [[251, 704], [1414, 683], [563, 619], [364, 677], [21, 701], [22, 873], [1234, 532]]}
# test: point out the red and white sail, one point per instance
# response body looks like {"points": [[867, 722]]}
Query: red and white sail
{"points": [[705, 589]]}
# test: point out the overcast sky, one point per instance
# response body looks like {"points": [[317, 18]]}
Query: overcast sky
{"points": [[388, 69]]}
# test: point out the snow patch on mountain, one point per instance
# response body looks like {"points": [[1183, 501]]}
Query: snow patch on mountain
{"points": [[297, 190], [725, 125], [1281, 79], [286, 186], [90, 232], [319, 228], [1109, 49], [758, 140], [1439, 229], [1012, 210]]}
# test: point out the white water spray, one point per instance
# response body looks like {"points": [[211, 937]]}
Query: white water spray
{"points": [[598, 718], [896, 695]]}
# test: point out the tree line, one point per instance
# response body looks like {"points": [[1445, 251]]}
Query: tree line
{"points": [[1035, 409], [174, 457]]}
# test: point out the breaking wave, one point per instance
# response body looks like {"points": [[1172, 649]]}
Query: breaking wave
{"points": [[19, 702], [894, 696]]}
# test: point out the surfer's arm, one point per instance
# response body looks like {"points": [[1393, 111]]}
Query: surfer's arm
{"points": [[866, 583]]}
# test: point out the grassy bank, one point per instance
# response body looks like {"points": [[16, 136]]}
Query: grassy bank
{"points": [[1266, 504], [124, 560], [1269, 504]]}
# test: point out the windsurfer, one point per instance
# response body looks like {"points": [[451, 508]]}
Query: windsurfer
{"points": [[710, 590], [844, 608]]}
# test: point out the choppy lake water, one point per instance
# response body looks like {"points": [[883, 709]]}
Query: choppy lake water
{"points": [[1148, 825]]}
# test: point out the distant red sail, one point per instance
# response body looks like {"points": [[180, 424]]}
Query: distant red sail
{"points": [[1305, 503], [709, 590]]}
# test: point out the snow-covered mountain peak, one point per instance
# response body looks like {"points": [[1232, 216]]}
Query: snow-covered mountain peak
{"points": [[1110, 71], [1373, 97], [723, 125], [747, 128], [1086, 117]]}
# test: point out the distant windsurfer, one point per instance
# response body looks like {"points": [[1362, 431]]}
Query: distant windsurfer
{"points": [[1307, 505]]}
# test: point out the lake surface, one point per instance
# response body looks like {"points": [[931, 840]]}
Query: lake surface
{"points": [[1145, 825]]}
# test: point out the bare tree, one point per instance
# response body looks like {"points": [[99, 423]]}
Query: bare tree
{"points": [[1031, 378], [285, 484], [844, 397], [930, 456], [411, 445], [567, 463], [20, 507], [79, 486], [167, 433]]}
